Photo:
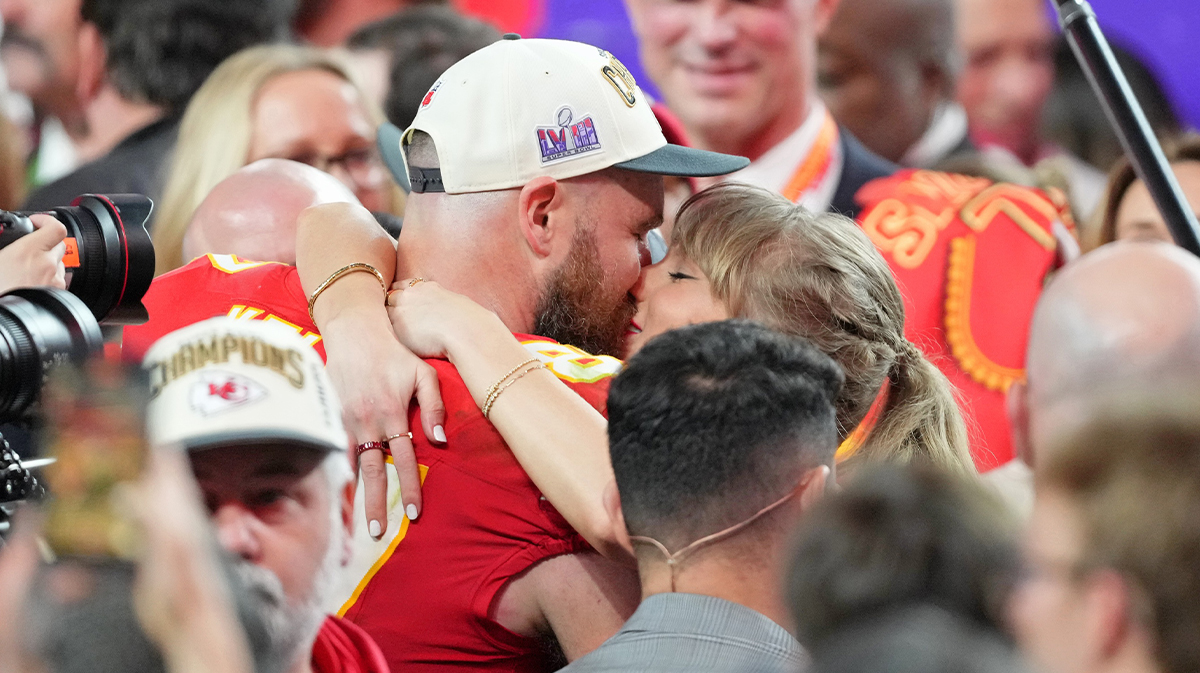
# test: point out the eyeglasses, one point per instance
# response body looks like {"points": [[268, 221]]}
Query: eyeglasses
{"points": [[363, 165], [1032, 570]]}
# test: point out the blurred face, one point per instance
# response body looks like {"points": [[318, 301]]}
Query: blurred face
{"points": [[1137, 216], [1049, 609], [732, 69], [318, 118], [40, 51], [273, 509], [673, 293], [588, 302], [1008, 47], [873, 87]]}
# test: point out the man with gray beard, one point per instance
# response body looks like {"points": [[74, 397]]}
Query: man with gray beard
{"points": [[251, 404]]}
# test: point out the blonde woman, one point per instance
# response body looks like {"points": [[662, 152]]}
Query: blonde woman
{"points": [[278, 101], [736, 252]]}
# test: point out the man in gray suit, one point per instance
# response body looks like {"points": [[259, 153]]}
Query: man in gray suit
{"points": [[720, 435]]}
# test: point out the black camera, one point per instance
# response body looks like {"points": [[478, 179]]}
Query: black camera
{"points": [[40, 329], [109, 260], [109, 265]]}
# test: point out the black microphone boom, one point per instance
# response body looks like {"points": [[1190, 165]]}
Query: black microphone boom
{"points": [[1126, 116]]}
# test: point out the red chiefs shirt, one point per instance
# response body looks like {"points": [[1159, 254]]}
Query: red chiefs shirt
{"points": [[428, 600], [221, 285], [342, 647]]}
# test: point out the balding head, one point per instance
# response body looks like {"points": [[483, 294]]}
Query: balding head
{"points": [[252, 213], [886, 66], [1125, 317]]}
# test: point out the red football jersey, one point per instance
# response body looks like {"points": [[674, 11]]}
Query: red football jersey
{"points": [[216, 285], [342, 647], [428, 600]]}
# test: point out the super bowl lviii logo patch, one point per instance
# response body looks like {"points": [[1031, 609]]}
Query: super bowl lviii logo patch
{"points": [[569, 138]]}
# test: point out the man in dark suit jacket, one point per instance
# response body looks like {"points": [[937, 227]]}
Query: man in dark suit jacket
{"points": [[887, 70], [157, 54], [744, 83]]}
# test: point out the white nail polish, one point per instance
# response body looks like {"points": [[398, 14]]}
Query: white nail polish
{"points": [[411, 510], [373, 529], [439, 433]]}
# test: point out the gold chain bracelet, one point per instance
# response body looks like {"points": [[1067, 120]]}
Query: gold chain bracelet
{"points": [[495, 394]]}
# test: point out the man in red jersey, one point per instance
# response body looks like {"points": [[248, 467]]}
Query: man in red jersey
{"points": [[537, 208], [253, 408], [535, 167], [244, 224]]}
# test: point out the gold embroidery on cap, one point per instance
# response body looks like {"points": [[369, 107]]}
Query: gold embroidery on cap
{"points": [[618, 75]]}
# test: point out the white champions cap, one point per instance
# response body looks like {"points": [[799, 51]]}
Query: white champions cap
{"points": [[518, 109], [226, 382]]}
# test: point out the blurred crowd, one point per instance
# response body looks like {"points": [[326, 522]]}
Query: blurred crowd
{"points": [[864, 348]]}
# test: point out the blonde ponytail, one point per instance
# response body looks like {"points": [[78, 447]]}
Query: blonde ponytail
{"points": [[818, 276]]}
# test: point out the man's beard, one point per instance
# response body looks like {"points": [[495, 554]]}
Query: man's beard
{"points": [[575, 309], [291, 626]]}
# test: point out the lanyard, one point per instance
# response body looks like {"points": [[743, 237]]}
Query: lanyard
{"points": [[816, 165]]}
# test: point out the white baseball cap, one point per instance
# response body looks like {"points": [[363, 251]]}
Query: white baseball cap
{"points": [[518, 109], [225, 382]]}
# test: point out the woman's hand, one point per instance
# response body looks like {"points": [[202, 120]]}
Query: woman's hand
{"points": [[36, 259], [377, 378], [180, 595], [434, 322]]}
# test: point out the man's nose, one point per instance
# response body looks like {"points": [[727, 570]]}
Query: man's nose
{"points": [[714, 26], [1018, 85], [235, 531], [638, 291]]}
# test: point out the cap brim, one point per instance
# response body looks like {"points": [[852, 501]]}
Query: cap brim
{"points": [[387, 139], [686, 162], [217, 440]]}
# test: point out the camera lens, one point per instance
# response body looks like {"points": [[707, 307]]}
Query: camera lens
{"points": [[39, 328], [114, 257]]}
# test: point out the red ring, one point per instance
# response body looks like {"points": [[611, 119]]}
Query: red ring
{"points": [[367, 446]]}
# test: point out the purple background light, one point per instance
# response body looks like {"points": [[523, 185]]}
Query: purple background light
{"points": [[1164, 34]]}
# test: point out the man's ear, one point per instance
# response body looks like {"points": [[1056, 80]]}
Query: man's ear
{"points": [[1018, 420], [612, 505], [540, 210], [93, 61], [347, 504], [812, 487]]}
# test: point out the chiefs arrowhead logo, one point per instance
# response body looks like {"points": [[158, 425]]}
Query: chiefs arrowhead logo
{"points": [[218, 391]]}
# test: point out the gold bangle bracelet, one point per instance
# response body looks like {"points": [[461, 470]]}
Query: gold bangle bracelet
{"points": [[487, 406], [337, 275]]}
